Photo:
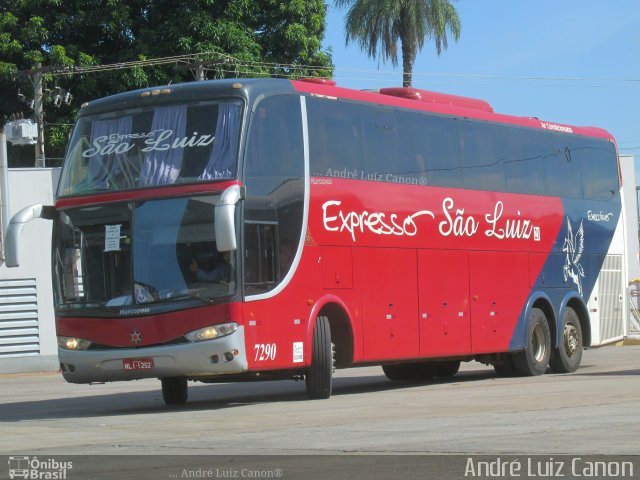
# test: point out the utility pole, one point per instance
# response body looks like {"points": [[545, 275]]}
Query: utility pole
{"points": [[38, 106], [199, 70]]}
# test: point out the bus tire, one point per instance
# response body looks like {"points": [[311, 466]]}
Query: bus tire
{"points": [[504, 367], [442, 369], [448, 369], [318, 379], [403, 372], [174, 390], [567, 358], [534, 359]]}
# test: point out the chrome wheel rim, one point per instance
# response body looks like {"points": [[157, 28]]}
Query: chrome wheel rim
{"points": [[571, 339], [538, 344]]}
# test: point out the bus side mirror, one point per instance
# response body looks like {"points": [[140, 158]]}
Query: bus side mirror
{"points": [[225, 218], [12, 239]]}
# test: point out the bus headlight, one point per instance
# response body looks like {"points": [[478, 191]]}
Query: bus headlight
{"points": [[73, 343], [209, 333]]}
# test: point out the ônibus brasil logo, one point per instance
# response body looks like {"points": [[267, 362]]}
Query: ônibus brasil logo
{"points": [[40, 469]]}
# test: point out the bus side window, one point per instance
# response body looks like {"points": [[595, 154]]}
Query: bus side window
{"points": [[442, 153], [597, 159], [381, 144], [562, 174], [481, 157], [335, 136]]}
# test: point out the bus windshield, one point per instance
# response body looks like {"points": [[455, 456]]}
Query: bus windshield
{"points": [[152, 146], [140, 253]]}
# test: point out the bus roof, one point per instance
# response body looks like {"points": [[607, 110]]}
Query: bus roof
{"points": [[410, 98], [445, 104]]}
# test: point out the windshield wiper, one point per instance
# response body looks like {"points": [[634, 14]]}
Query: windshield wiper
{"points": [[185, 296], [80, 303]]}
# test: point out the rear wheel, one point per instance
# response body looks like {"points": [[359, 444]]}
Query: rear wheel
{"points": [[567, 358], [504, 367], [534, 360], [174, 390], [319, 375], [404, 372]]}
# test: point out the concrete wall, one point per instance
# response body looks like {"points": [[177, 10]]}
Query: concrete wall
{"points": [[27, 328]]}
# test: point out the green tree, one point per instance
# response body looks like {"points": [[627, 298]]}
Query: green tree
{"points": [[73, 39], [378, 25]]}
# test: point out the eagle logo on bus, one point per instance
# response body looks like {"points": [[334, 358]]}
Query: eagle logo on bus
{"points": [[573, 248]]}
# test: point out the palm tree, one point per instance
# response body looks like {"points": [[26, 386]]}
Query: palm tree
{"points": [[378, 25]]}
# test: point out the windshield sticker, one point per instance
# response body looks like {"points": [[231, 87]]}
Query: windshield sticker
{"points": [[298, 352], [112, 238], [158, 140]]}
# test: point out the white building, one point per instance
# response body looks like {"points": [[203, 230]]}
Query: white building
{"points": [[27, 325], [630, 185]]}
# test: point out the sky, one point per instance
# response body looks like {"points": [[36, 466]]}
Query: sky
{"points": [[568, 61]]}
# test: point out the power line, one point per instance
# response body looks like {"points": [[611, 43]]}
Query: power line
{"points": [[236, 66]]}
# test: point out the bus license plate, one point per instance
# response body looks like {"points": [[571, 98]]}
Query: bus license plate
{"points": [[137, 364]]}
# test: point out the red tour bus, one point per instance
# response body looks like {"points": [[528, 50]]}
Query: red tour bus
{"points": [[273, 229]]}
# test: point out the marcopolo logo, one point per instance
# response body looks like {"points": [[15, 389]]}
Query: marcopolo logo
{"points": [[38, 469]]}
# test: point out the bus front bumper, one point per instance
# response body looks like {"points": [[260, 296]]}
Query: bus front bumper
{"points": [[207, 358]]}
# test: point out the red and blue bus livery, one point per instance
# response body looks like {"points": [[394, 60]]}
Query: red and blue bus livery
{"points": [[265, 229]]}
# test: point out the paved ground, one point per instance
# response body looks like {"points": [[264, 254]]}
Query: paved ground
{"points": [[593, 411]]}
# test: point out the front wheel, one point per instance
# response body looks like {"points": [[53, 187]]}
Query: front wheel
{"points": [[567, 358], [404, 372], [174, 390], [534, 360], [319, 375], [441, 369]]}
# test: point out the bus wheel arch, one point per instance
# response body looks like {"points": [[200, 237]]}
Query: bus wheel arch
{"points": [[330, 344], [341, 334], [341, 330]]}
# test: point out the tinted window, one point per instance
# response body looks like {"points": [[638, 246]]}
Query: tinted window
{"points": [[522, 163], [370, 142], [481, 149], [599, 168], [274, 177], [335, 137], [430, 150], [151, 146]]}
